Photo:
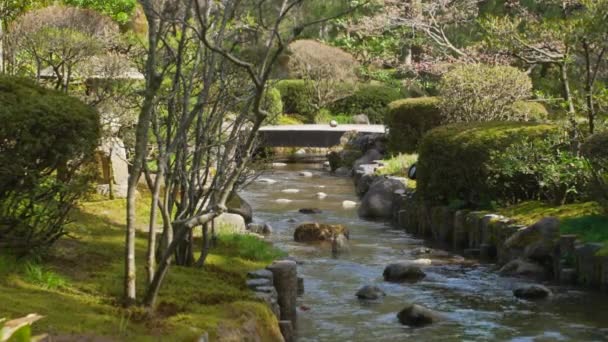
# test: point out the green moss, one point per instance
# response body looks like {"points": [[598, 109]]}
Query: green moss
{"points": [[289, 120], [527, 213], [530, 111], [408, 120], [90, 264]]}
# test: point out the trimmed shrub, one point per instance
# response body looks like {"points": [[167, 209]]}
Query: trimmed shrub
{"points": [[530, 111], [408, 120], [296, 98], [273, 104], [46, 137], [306, 56], [454, 160], [480, 92], [369, 99], [595, 149]]}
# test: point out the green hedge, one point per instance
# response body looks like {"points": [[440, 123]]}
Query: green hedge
{"points": [[454, 160], [531, 111], [295, 97], [369, 99], [595, 148], [408, 120]]}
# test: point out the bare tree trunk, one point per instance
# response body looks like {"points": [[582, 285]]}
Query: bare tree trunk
{"points": [[2, 46], [571, 111], [589, 88], [141, 144], [151, 253]]}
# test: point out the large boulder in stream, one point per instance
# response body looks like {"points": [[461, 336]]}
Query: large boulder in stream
{"points": [[532, 292], [368, 158], [316, 232], [415, 315], [536, 242], [378, 201], [237, 205], [403, 271], [370, 292], [521, 267]]}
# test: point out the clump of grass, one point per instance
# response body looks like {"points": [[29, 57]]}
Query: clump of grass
{"points": [[589, 228], [37, 275], [249, 248], [398, 165]]}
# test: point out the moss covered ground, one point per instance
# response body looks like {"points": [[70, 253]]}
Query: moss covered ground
{"points": [[587, 220], [77, 286]]}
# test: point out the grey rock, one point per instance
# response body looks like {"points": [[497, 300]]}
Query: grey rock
{"points": [[305, 174], [370, 292], [310, 211], [368, 158], [378, 201], [260, 274], [537, 241], [403, 271], [532, 292], [230, 223], [364, 183], [343, 171], [253, 284], [258, 228], [415, 315], [361, 119], [520, 267]]}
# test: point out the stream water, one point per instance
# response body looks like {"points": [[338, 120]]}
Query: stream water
{"points": [[479, 304]]}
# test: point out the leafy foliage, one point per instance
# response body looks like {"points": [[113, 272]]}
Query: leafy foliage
{"points": [[455, 161], [295, 97], [595, 149], [408, 120], [545, 169], [369, 99], [119, 10], [45, 140], [479, 92], [273, 104]]}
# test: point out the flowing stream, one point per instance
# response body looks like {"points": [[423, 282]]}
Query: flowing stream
{"points": [[479, 304]]}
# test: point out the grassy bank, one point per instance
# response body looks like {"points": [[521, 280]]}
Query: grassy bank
{"points": [[77, 287]]}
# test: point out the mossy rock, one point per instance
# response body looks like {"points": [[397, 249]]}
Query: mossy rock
{"points": [[317, 232]]}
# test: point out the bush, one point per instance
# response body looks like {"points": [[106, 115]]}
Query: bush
{"points": [[530, 111], [408, 120], [552, 170], [273, 104], [45, 138], [454, 161], [296, 98], [369, 99], [479, 92], [595, 149]]}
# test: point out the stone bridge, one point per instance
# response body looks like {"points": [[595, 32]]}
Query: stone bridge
{"points": [[322, 135]]}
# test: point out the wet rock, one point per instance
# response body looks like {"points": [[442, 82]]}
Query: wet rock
{"points": [[283, 201], [368, 158], [520, 267], [305, 174], [421, 251], [378, 201], [537, 241], [313, 232], [364, 183], [260, 274], [321, 195], [415, 315], [279, 164], [258, 228], [403, 271], [290, 191], [342, 171], [300, 286], [349, 204], [253, 284], [310, 211], [237, 205], [532, 292], [370, 292], [270, 298], [266, 180]]}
